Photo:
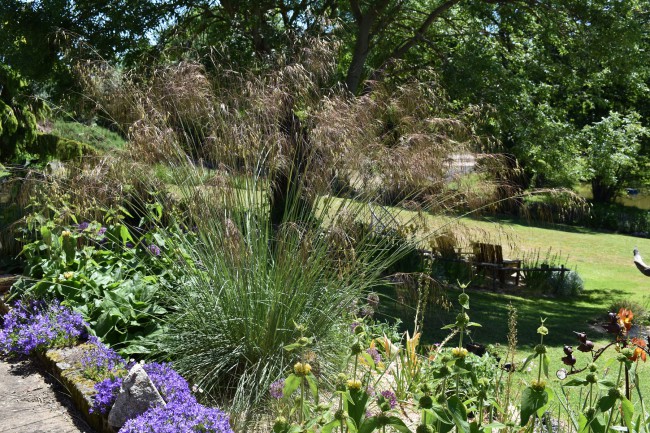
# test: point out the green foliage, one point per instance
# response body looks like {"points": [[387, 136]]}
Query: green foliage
{"points": [[612, 148], [49, 146], [113, 279], [18, 115]]}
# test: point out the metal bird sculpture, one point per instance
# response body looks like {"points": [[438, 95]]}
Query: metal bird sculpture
{"points": [[641, 266]]}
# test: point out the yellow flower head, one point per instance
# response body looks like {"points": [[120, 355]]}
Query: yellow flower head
{"points": [[301, 369], [459, 352], [68, 275], [354, 384], [66, 234]]}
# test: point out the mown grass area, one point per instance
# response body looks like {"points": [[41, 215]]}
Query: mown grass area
{"points": [[95, 135], [603, 260]]}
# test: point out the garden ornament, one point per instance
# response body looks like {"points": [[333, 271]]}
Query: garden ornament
{"points": [[641, 266]]}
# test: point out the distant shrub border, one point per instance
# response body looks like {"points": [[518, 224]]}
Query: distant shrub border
{"points": [[37, 328]]}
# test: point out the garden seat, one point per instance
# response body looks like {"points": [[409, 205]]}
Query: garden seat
{"points": [[488, 258]]}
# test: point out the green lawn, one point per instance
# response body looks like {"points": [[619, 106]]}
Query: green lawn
{"points": [[603, 260]]}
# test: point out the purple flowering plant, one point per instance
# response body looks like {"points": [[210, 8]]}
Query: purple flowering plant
{"points": [[36, 325], [100, 362]]}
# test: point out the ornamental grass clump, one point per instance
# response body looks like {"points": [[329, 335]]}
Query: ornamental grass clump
{"points": [[33, 326]]}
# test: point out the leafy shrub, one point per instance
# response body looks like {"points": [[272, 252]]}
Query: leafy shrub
{"points": [[113, 279], [18, 115], [49, 146], [566, 284]]}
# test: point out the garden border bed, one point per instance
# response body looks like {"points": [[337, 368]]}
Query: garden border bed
{"points": [[61, 364]]}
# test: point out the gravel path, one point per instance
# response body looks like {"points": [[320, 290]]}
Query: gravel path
{"points": [[32, 402]]}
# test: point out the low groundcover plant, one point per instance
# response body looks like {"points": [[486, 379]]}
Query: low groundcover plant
{"points": [[35, 325]]}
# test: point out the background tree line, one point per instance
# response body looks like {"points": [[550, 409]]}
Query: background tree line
{"points": [[561, 86]]}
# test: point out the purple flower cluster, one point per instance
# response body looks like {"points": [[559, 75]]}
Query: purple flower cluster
{"points": [[170, 384], [182, 413], [101, 362], [107, 391], [28, 327], [179, 417], [83, 226], [277, 389], [390, 398], [374, 354], [154, 249]]}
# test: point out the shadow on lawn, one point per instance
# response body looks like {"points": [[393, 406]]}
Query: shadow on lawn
{"points": [[563, 316]]}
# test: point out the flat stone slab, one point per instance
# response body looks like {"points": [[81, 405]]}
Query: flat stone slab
{"points": [[31, 404]]}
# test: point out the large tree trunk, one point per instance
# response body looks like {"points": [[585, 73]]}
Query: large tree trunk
{"points": [[601, 192], [289, 201], [361, 50]]}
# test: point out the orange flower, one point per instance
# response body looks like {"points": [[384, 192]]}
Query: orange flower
{"points": [[639, 350], [625, 317]]}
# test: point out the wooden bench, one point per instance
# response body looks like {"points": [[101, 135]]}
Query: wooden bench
{"points": [[489, 258]]}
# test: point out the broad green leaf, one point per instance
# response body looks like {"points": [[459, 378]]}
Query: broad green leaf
{"points": [[439, 412], [459, 414], [605, 403], [291, 383], [327, 428], [366, 357], [357, 406], [531, 401], [313, 386], [545, 364], [628, 412], [369, 425], [398, 424], [578, 381]]}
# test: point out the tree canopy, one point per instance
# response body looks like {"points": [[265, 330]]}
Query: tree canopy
{"points": [[541, 71]]}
